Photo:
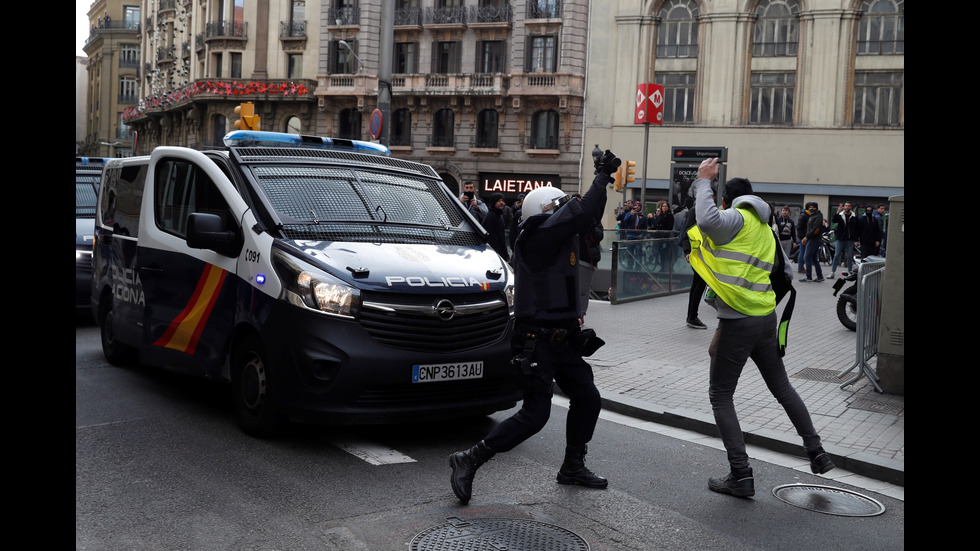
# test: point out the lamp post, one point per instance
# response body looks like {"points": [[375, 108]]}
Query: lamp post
{"points": [[345, 45]]}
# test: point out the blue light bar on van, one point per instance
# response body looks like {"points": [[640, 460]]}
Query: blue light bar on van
{"points": [[87, 160], [254, 138]]}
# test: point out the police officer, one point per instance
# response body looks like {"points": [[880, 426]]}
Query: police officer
{"points": [[547, 338]]}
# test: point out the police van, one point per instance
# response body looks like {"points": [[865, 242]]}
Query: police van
{"points": [[88, 171], [323, 278]]}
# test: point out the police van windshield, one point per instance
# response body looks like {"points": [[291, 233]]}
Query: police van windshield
{"points": [[350, 204]]}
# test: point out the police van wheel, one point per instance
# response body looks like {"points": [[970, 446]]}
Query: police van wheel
{"points": [[115, 352], [251, 386]]}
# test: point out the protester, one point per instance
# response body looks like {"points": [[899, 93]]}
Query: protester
{"points": [[734, 250]]}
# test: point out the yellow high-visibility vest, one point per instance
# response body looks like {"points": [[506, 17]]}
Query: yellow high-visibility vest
{"points": [[738, 271]]}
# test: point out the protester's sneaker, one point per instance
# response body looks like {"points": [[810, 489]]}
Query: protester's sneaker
{"points": [[820, 461], [819, 280], [831, 275], [738, 486], [806, 280], [695, 323]]}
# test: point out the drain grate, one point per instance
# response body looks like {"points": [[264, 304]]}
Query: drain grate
{"points": [[877, 406], [828, 500], [819, 375], [497, 534]]}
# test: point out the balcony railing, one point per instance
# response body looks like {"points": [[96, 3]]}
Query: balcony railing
{"points": [[484, 142], [489, 14], [344, 16], [411, 17], [440, 141], [216, 29], [294, 29], [445, 16], [165, 53], [127, 98], [550, 9], [458, 84]]}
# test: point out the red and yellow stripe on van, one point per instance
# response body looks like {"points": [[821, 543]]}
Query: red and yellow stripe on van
{"points": [[185, 330]]}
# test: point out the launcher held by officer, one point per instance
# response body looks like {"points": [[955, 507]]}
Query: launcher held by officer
{"points": [[548, 340]]}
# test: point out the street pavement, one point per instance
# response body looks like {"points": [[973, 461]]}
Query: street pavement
{"points": [[654, 368]]}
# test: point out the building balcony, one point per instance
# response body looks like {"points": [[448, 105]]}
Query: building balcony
{"points": [[344, 17], [292, 35], [474, 84], [408, 17], [226, 34], [547, 84], [445, 18], [489, 16]]}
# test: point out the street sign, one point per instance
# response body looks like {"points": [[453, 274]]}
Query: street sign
{"points": [[376, 122], [649, 104], [698, 153]]}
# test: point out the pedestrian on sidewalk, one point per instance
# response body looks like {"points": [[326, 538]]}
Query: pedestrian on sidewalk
{"points": [[698, 285], [734, 250], [548, 339], [815, 229], [846, 234], [786, 230]]}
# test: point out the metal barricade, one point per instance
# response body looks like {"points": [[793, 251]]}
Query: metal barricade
{"points": [[869, 280]]}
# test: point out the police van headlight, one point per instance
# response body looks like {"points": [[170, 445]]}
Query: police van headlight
{"points": [[310, 287]]}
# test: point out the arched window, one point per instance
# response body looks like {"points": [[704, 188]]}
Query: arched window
{"points": [[881, 30], [678, 33], [777, 28], [293, 125], [442, 128], [401, 128], [544, 130], [350, 124], [486, 128]]}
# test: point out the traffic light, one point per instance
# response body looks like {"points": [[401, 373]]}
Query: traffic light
{"points": [[629, 171], [618, 179], [247, 119]]}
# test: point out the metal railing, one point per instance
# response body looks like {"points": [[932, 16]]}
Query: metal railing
{"points": [[869, 279], [647, 267]]}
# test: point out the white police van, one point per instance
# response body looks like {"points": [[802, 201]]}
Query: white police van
{"points": [[322, 278]]}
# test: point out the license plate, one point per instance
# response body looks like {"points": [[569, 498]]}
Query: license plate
{"points": [[446, 372]]}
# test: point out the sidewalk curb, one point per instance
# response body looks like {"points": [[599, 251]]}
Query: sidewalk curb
{"points": [[861, 463]]}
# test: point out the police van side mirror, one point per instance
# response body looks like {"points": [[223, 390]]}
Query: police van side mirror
{"points": [[208, 231]]}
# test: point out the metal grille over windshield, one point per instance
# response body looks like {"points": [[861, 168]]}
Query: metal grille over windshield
{"points": [[340, 204]]}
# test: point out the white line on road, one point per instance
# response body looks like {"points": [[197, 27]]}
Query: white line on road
{"points": [[372, 453]]}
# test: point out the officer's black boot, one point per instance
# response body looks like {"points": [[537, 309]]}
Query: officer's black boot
{"points": [[573, 470], [465, 464]]}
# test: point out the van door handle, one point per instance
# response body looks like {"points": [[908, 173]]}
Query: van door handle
{"points": [[151, 270]]}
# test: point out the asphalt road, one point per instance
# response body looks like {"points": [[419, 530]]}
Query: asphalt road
{"points": [[161, 464]]}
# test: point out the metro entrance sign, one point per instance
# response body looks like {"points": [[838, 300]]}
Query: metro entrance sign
{"points": [[649, 104]]}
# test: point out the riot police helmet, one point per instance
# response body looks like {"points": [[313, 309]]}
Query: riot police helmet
{"points": [[542, 200]]}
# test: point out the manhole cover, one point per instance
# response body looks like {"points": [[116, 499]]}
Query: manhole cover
{"points": [[497, 534], [829, 500]]}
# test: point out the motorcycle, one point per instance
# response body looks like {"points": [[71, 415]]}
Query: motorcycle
{"points": [[825, 254], [847, 301]]}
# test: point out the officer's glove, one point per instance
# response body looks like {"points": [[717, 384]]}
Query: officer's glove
{"points": [[607, 163]]}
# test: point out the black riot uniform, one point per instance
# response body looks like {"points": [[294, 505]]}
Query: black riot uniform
{"points": [[548, 340]]}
